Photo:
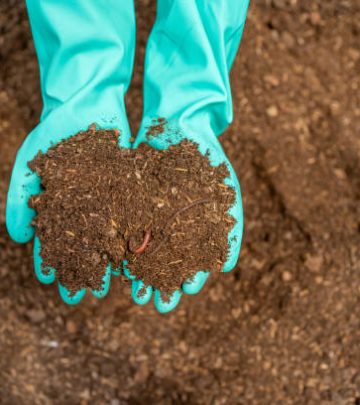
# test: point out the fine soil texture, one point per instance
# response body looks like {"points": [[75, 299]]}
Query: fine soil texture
{"points": [[283, 328], [165, 212]]}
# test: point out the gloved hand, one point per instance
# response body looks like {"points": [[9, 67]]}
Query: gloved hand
{"points": [[85, 51], [189, 55]]}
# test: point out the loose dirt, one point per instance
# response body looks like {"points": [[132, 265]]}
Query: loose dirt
{"points": [[284, 326], [165, 212]]}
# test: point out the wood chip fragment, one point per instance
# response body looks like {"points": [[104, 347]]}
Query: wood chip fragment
{"points": [[174, 262]]}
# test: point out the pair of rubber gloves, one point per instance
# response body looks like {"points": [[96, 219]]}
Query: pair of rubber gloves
{"points": [[86, 50]]}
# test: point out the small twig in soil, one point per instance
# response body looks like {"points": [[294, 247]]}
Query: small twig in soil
{"points": [[180, 211], [143, 245]]}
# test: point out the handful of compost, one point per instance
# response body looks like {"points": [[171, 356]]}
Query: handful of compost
{"points": [[102, 205]]}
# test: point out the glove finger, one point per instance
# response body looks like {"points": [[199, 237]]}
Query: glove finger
{"points": [[163, 306], [127, 271], [140, 294], [116, 272], [236, 211], [44, 278], [71, 299], [105, 285], [195, 284], [19, 215]]}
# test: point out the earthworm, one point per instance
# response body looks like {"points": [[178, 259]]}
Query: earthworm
{"points": [[143, 246]]}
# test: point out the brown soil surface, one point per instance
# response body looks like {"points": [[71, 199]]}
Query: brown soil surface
{"points": [[165, 212], [284, 327]]}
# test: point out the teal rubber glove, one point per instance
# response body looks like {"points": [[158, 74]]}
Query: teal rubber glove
{"points": [[85, 51], [189, 55]]}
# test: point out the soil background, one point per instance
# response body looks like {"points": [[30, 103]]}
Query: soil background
{"points": [[284, 327]]}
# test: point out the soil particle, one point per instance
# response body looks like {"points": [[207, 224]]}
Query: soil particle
{"points": [[71, 326], [157, 127], [166, 212], [36, 315]]}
